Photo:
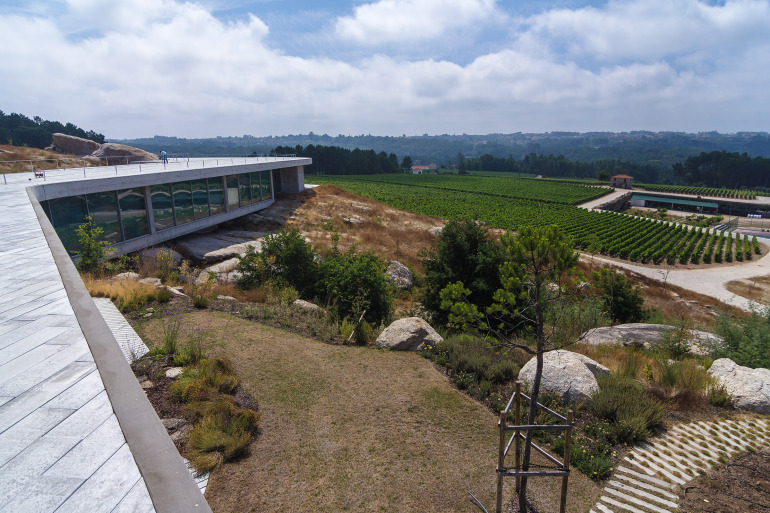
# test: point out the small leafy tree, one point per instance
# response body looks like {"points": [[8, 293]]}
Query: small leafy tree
{"points": [[464, 252], [622, 301], [285, 258], [92, 251], [538, 279]]}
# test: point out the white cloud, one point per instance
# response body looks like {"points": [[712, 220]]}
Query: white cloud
{"points": [[649, 29], [192, 75], [396, 21]]}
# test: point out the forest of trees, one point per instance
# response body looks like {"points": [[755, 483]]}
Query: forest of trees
{"points": [[551, 166], [334, 160], [19, 130], [723, 169]]}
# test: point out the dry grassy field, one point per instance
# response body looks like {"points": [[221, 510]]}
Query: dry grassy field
{"points": [[355, 429]]}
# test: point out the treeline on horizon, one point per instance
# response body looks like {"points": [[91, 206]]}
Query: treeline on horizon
{"points": [[712, 169], [19, 130], [333, 160]]}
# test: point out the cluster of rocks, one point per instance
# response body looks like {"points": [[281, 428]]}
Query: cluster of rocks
{"points": [[114, 153]]}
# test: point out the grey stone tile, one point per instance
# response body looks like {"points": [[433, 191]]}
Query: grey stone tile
{"points": [[93, 451], [28, 493], [4, 399], [68, 337], [136, 501], [29, 359], [85, 419], [79, 393], [48, 367], [21, 406], [37, 457], [17, 438], [106, 488], [18, 348], [9, 326]]}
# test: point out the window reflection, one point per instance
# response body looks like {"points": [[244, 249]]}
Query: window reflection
{"points": [[133, 213], [162, 208]]}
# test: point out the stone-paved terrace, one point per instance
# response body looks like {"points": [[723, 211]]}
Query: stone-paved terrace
{"points": [[77, 433]]}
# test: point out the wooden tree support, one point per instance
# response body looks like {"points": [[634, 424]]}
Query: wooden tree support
{"points": [[519, 436]]}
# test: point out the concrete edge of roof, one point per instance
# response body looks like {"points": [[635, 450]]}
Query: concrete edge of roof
{"points": [[170, 485]]}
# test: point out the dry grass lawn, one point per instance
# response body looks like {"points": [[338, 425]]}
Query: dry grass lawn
{"points": [[355, 429], [19, 159], [757, 289]]}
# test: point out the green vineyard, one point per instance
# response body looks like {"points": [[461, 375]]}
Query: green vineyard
{"points": [[526, 202], [702, 191]]}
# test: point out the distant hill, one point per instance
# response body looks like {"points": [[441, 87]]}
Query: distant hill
{"points": [[657, 148]]}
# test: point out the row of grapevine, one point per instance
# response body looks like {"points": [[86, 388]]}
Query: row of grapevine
{"points": [[509, 187], [701, 191], [626, 237]]}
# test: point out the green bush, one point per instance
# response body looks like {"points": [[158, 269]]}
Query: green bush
{"points": [[629, 410], [475, 357], [92, 250], [353, 282], [464, 252], [746, 341], [286, 258], [622, 301]]}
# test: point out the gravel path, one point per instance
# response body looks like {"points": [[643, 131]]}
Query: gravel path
{"points": [[709, 281]]}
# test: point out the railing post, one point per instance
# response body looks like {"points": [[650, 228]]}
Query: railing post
{"points": [[500, 463], [567, 446], [517, 433]]}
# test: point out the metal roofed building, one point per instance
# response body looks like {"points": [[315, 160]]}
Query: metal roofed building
{"points": [[77, 433]]}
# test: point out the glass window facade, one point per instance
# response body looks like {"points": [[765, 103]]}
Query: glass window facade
{"points": [[66, 215], [183, 204], [245, 189], [122, 214], [200, 197], [256, 187], [216, 196], [267, 190], [162, 207], [103, 208], [133, 213], [232, 192]]}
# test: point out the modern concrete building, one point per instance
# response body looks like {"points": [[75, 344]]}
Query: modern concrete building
{"points": [[77, 432]]}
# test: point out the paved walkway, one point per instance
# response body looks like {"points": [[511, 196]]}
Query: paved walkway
{"points": [[709, 281], [652, 476], [604, 199], [61, 447]]}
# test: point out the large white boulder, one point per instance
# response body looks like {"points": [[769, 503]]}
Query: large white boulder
{"points": [[648, 335], [409, 334], [750, 388], [570, 375], [399, 275]]}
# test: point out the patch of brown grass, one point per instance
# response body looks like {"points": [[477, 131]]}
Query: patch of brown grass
{"points": [[393, 234], [127, 294], [20, 159], [339, 433], [756, 289]]}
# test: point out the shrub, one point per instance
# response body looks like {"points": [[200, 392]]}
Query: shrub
{"points": [[622, 301], [352, 283], [205, 380], [158, 263], [286, 258], [463, 354], [746, 341], [631, 413], [91, 251], [718, 395], [464, 252]]}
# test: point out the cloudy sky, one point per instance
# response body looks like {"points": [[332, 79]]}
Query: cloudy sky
{"points": [[138, 68]]}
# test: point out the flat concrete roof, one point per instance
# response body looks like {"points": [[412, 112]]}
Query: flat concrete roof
{"points": [[76, 431]]}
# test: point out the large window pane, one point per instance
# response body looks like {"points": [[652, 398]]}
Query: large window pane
{"points": [[200, 198], [103, 208], [66, 215], [267, 191], [245, 189], [183, 205], [232, 192], [256, 188], [216, 196], [162, 208], [133, 213]]}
